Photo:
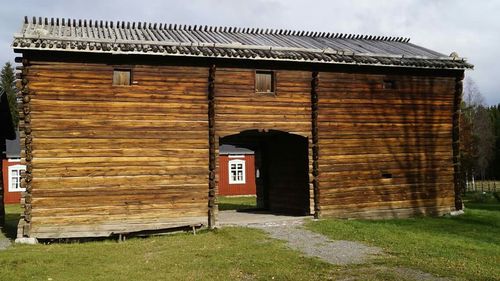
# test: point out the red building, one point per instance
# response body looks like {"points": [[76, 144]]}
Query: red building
{"points": [[11, 172], [236, 171]]}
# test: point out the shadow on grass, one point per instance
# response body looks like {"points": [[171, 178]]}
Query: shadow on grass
{"points": [[12, 215], [484, 206]]}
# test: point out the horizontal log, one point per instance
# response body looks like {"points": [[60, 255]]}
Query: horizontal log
{"points": [[63, 124], [121, 134], [434, 202], [153, 143], [96, 219], [173, 190], [117, 106], [71, 182], [384, 166], [117, 161], [119, 171], [107, 228], [329, 183]]}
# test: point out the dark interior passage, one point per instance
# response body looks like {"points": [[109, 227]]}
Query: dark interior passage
{"points": [[281, 167]]}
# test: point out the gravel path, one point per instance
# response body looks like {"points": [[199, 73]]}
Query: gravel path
{"points": [[338, 252], [4, 243]]}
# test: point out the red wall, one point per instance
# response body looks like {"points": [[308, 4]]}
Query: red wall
{"points": [[237, 189], [9, 197]]}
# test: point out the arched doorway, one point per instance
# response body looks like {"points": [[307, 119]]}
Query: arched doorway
{"points": [[281, 169]]}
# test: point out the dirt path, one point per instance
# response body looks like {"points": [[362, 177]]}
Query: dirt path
{"points": [[338, 252], [4, 243]]}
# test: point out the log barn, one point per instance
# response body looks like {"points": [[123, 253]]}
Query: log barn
{"points": [[122, 123]]}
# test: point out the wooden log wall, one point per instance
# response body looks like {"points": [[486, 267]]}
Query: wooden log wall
{"points": [[104, 159], [238, 108], [386, 145], [107, 159], [26, 140]]}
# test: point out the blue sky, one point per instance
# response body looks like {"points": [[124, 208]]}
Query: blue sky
{"points": [[471, 28]]}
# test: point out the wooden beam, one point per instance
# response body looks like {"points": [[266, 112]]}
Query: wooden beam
{"points": [[212, 208], [315, 146], [459, 180], [26, 177]]}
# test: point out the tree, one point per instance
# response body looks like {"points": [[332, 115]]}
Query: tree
{"points": [[476, 135], [7, 82], [494, 167], [482, 130]]}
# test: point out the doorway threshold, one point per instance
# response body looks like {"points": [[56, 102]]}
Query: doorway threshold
{"points": [[257, 217]]}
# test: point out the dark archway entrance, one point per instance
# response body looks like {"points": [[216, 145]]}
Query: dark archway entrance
{"points": [[281, 167]]}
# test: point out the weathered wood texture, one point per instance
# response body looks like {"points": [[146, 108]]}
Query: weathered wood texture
{"points": [[108, 159], [239, 108], [385, 152], [104, 159]]}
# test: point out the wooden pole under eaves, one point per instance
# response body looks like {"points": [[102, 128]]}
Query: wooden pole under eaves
{"points": [[315, 147], [212, 144], [459, 180]]}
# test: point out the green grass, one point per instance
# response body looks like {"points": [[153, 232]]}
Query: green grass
{"points": [[236, 202], [228, 254], [465, 247]]}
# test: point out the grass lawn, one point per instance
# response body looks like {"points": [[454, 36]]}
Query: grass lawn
{"points": [[236, 202], [464, 247], [228, 254]]}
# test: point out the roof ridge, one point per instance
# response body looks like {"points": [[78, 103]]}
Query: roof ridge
{"points": [[226, 29]]}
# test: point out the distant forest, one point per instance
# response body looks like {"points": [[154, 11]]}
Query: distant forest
{"points": [[479, 136]]}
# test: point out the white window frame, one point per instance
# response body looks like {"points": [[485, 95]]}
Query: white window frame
{"points": [[19, 169], [230, 169]]}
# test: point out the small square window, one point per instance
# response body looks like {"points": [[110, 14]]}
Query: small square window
{"points": [[122, 77], [264, 82]]}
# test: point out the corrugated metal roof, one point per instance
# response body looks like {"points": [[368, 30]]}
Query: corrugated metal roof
{"points": [[229, 149], [227, 42]]}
